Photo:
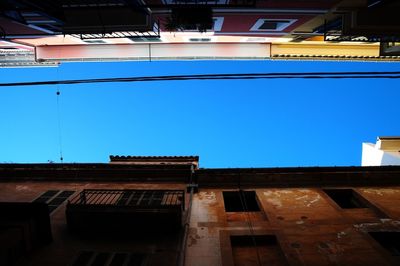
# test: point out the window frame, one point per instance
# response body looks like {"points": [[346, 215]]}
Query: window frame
{"points": [[364, 204], [247, 193], [261, 21], [227, 250], [129, 256], [217, 25], [200, 2], [386, 248], [51, 201]]}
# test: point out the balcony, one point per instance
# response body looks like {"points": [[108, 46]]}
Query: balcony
{"points": [[24, 228], [125, 211], [86, 19]]}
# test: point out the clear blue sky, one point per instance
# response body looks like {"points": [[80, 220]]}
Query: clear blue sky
{"points": [[249, 123]]}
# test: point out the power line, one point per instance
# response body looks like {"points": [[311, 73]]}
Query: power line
{"points": [[243, 202], [59, 125], [243, 76], [58, 93], [242, 197]]}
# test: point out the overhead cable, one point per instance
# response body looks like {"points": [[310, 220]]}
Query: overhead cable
{"points": [[236, 76]]}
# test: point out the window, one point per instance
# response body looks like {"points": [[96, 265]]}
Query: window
{"points": [[140, 197], [240, 201], [217, 25], [199, 39], [346, 198], [54, 198], [254, 39], [137, 259], [45, 197], [248, 250], [388, 240], [92, 258], [13, 244], [218, 21], [146, 39], [94, 41], [197, 2], [118, 259], [272, 24], [83, 258], [100, 259]]}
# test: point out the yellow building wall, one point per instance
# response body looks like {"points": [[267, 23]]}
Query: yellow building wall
{"points": [[325, 49]]}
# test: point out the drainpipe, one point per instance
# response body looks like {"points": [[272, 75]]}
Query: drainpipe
{"points": [[182, 250]]}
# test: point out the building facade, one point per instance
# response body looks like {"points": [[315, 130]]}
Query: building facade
{"points": [[168, 211], [220, 29], [386, 151]]}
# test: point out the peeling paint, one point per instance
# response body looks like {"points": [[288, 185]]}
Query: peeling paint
{"points": [[193, 237], [275, 202], [384, 225], [278, 197], [317, 198], [22, 188], [302, 197], [380, 191], [277, 193], [192, 241], [396, 223], [206, 204], [341, 234], [207, 197]]}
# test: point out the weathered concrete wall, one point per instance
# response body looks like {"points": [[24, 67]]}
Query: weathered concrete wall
{"points": [[310, 227]]}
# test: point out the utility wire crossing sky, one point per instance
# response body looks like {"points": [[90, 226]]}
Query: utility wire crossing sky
{"points": [[258, 114], [303, 75]]}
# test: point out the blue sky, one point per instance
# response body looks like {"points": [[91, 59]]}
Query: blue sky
{"points": [[249, 123]]}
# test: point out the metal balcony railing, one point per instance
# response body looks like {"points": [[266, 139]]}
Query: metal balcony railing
{"points": [[122, 211], [334, 32], [154, 33], [214, 3], [141, 199]]}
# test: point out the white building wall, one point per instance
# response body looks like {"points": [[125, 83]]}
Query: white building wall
{"points": [[372, 155]]}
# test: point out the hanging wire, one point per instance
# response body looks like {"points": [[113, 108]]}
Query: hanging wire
{"points": [[243, 202], [242, 76], [59, 125], [58, 93]]}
